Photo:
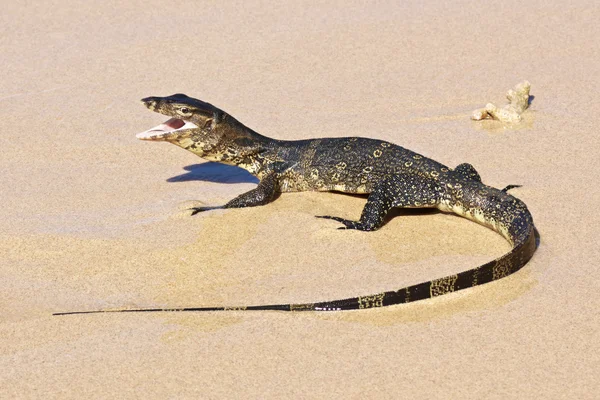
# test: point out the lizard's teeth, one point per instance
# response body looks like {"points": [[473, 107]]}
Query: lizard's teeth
{"points": [[188, 125]]}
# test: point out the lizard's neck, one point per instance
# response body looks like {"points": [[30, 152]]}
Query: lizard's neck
{"points": [[230, 142]]}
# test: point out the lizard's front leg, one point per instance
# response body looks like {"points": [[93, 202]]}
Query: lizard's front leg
{"points": [[402, 190], [264, 193]]}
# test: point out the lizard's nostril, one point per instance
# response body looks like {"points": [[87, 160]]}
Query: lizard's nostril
{"points": [[149, 101]]}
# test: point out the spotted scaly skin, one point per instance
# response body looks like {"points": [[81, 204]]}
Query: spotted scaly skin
{"points": [[391, 175]]}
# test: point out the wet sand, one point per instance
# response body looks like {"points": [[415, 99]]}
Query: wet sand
{"points": [[93, 218]]}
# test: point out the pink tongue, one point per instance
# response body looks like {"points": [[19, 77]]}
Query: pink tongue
{"points": [[175, 123]]}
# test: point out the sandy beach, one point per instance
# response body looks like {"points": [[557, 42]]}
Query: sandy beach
{"points": [[93, 218]]}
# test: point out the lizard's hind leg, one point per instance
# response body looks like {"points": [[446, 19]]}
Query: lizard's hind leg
{"points": [[468, 172], [404, 190]]}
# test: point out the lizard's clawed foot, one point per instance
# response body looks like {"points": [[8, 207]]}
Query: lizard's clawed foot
{"points": [[347, 223]]}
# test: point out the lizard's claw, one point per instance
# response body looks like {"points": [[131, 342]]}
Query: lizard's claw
{"points": [[196, 210], [338, 219], [506, 189], [347, 223]]}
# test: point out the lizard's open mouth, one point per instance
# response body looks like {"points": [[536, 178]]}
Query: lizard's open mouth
{"points": [[168, 130]]}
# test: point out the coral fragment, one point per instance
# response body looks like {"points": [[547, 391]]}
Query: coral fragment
{"points": [[518, 101]]}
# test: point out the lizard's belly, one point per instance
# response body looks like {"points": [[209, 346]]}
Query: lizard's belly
{"points": [[475, 214], [295, 182]]}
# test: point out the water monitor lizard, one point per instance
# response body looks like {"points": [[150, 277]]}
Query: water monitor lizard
{"points": [[391, 175]]}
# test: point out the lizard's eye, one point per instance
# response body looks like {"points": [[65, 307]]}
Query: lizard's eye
{"points": [[184, 111]]}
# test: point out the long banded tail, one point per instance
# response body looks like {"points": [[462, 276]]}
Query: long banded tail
{"points": [[525, 245]]}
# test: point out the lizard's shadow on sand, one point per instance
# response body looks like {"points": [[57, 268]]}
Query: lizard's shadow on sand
{"points": [[221, 173], [214, 172]]}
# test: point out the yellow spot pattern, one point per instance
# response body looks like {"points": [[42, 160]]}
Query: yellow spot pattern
{"points": [[443, 285], [375, 300], [501, 269], [302, 307]]}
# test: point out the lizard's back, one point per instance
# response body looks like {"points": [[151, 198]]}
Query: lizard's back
{"points": [[350, 165]]}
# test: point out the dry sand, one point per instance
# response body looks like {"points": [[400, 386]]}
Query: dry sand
{"points": [[90, 215]]}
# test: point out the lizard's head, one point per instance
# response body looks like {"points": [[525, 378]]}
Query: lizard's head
{"points": [[201, 128], [188, 116]]}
